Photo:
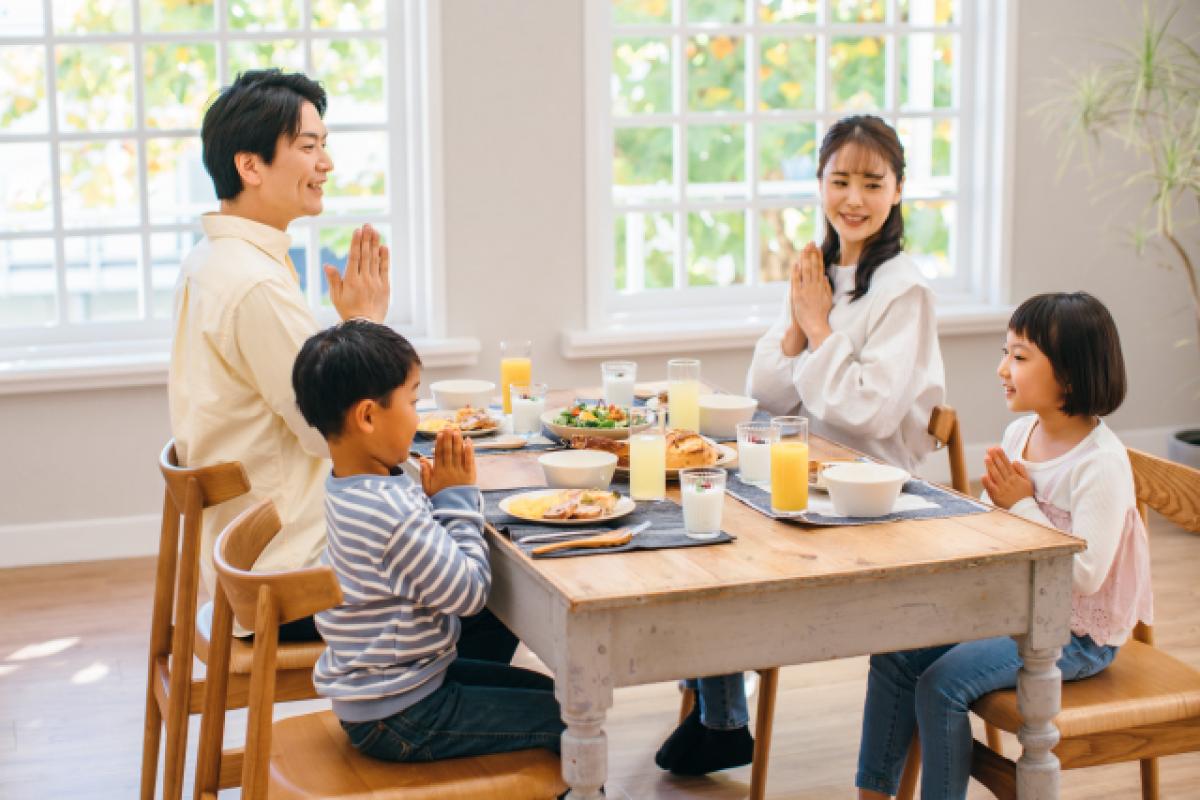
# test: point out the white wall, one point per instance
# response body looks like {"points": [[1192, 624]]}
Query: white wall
{"points": [[513, 148]]}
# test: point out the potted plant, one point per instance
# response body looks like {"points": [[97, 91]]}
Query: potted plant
{"points": [[1145, 97]]}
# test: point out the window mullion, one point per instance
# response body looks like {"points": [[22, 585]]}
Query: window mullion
{"points": [[60, 248], [679, 43], [146, 301]]}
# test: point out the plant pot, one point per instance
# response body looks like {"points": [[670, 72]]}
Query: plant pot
{"points": [[1184, 447]]}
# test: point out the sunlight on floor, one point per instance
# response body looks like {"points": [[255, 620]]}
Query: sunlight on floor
{"points": [[43, 649]]}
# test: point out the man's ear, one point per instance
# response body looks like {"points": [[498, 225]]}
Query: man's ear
{"points": [[361, 417], [249, 168]]}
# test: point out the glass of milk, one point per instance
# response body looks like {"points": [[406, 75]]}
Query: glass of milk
{"points": [[528, 405], [618, 378], [754, 451], [703, 493]]}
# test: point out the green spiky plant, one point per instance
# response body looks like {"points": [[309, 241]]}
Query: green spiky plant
{"points": [[1145, 96]]}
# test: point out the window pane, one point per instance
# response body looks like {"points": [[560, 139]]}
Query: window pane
{"points": [[188, 15], [95, 87], [642, 157], [645, 251], [856, 10], [179, 188], [99, 185], [928, 149], [790, 11], [716, 11], [857, 70], [351, 70], [21, 18], [927, 227], [347, 14], [287, 54], [358, 183], [641, 76], [787, 153], [25, 187], [635, 12], [93, 16], [927, 70], [167, 251], [787, 73], [298, 253], [104, 280], [23, 90], [782, 233], [27, 284], [335, 248], [264, 15], [716, 73], [716, 248], [717, 155], [929, 12], [180, 80]]}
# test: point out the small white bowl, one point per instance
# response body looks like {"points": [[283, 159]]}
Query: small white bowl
{"points": [[455, 394], [578, 469], [863, 489], [721, 413]]}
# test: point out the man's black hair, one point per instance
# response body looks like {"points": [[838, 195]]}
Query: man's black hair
{"points": [[338, 367], [249, 116]]}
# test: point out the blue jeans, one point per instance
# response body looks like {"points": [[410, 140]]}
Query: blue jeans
{"points": [[722, 700], [482, 707], [932, 688]]}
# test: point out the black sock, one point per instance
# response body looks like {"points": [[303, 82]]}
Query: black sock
{"points": [[716, 750], [681, 740]]}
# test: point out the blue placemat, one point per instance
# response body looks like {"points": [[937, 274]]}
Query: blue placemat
{"points": [[665, 532], [947, 504]]}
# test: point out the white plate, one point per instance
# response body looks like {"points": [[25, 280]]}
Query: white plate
{"points": [[624, 507], [445, 415], [567, 431], [727, 457]]}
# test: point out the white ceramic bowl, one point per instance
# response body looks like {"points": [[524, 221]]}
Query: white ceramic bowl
{"points": [[578, 469], [455, 394], [862, 489], [720, 414]]}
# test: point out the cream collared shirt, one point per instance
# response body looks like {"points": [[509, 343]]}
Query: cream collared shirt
{"points": [[240, 320]]}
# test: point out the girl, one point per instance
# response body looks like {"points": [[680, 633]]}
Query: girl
{"points": [[856, 347], [1060, 466]]}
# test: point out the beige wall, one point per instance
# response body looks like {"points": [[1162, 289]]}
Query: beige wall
{"points": [[514, 203]]}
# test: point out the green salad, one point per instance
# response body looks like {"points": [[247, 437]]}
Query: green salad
{"points": [[582, 415]]}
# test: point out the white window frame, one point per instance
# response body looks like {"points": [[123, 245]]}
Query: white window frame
{"points": [[663, 319], [99, 354]]}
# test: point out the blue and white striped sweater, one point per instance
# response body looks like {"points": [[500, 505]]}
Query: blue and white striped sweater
{"points": [[409, 567]]}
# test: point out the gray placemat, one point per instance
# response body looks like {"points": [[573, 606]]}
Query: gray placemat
{"points": [[948, 505], [665, 532]]}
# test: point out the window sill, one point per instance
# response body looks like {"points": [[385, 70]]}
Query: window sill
{"points": [[36, 370], [647, 339]]}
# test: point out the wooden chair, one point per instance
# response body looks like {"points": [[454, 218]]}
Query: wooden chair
{"points": [[1144, 706], [310, 756], [943, 427], [171, 693]]}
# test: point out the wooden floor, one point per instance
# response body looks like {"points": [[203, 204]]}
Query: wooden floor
{"points": [[72, 677]]}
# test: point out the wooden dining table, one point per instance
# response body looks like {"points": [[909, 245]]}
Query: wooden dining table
{"points": [[784, 594]]}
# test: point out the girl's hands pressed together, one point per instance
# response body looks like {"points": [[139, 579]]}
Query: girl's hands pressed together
{"points": [[1006, 482], [453, 463], [811, 296]]}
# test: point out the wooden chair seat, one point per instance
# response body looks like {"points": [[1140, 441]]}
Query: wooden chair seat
{"points": [[304, 747], [292, 655], [1143, 686]]}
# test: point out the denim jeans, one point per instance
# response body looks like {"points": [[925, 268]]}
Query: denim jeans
{"points": [[482, 707], [722, 700], [932, 688]]}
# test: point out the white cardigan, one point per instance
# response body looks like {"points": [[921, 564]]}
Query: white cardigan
{"points": [[874, 382]]}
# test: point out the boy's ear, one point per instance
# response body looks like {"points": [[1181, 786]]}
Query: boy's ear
{"points": [[249, 168], [361, 417]]}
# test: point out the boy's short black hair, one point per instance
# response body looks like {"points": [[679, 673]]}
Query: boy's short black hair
{"points": [[249, 116], [336, 368], [1078, 335]]}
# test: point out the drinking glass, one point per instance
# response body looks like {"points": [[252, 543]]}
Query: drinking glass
{"points": [[528, 405], [703, 493], [789, 465], [515, 367], [647, 456], [683, 393], [618, 378], [754, 451]]}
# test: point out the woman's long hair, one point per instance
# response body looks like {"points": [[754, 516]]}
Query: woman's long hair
{"points": [[872, 135]]}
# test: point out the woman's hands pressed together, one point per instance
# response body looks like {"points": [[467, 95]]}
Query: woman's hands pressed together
{"points": [[365, 289], [453, 463], [1006, 481], [811, 299]]}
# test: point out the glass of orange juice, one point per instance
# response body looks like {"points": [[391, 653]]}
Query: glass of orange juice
{"points": [[515, 367], [789, 465]]}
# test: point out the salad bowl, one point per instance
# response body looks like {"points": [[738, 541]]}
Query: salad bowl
{"points": [[608, 422]]}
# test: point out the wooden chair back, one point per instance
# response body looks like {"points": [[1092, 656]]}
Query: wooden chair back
{"points": [[944, 428]]}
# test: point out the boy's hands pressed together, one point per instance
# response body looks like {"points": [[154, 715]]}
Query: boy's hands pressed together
{"points": [[1006, 482], [453, 463]]}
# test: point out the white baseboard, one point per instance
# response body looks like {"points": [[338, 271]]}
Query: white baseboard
{"points": [[129, 537]]}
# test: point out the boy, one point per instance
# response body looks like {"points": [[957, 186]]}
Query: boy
{"points": [[411, 560]]}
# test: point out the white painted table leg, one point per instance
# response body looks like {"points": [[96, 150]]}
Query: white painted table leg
{"points": [[584, 754], [1039, 698]]}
